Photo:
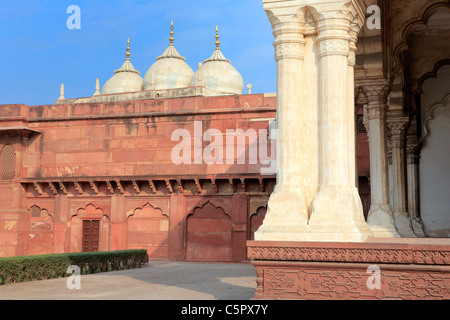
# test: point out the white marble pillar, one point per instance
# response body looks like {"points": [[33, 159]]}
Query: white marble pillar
{"points": [[287, 212], [413, 146], [317, 153], [397, 129], [337, 213], [380, 217], [352, 154]]}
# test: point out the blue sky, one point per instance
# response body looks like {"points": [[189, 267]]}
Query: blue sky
{"points": [[39, 52]]}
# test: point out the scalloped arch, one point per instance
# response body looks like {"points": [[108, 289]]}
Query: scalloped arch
{"points": [[204, 202], [429, 116], [425, 16], [148, 205]]}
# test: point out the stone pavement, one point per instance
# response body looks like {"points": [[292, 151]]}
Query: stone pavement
{"points": [[158, 280]]}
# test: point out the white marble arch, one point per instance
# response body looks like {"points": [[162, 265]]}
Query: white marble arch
{"points": [[435, 155]]}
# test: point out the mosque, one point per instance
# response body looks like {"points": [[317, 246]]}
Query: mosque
{"points": [[361, 117]]}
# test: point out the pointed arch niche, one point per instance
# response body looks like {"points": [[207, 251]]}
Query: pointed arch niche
{"points": [[40, 236], [148, 228], [435, 155], [97, 216], [209, 234]]}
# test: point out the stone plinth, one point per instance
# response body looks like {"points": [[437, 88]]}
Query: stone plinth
{"points": [[407, 269]]}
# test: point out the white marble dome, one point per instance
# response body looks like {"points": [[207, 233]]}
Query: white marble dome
{"points": [[126, 79], [218, 75], [170, 71]]}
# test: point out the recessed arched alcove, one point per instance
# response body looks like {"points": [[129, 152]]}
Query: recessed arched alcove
{"points": [[209, 234], [148, 228], [256, 220], [435, 154], [41, 234]]}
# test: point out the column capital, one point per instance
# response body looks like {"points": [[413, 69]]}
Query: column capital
{"points": [[289, 39], [413, 148], [376, 93], [354, 32], [397, 127]]}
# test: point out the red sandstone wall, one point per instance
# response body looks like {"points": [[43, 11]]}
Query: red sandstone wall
{"points": [[125, 139], [111, 139]]}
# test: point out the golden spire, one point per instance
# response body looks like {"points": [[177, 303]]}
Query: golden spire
{"points": [[127, 66], [217, 38], [171, 33], [128, 50], [217, 54]]}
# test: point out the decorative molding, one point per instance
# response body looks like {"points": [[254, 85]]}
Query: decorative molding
{"points": [[349, 255], [62, 187], [198, 185], [289, 50], [169, 185], [38, 188], [340, 282], [352, 58], [376, 94], [78, 187], [153, 185], [136, 186], [413, 149], [109, 187], [334, 47], [93, 186], [53, 188], [119, 186], [397, 131]]}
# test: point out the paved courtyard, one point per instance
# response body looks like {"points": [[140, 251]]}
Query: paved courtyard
{"points": [[161, 280]]}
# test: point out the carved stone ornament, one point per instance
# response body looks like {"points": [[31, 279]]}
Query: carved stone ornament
{"points": [[376, 93], [348, 255], [334, 47], [289, 51]]}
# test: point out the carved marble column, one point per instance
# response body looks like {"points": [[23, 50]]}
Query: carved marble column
{"points": [[315, 198], [352, 155], [380, 217], [287, 212], [413, 146], [337, 213], [397, 129]]}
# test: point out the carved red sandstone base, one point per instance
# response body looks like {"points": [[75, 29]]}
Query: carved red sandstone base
{"points": [[409, 269]]}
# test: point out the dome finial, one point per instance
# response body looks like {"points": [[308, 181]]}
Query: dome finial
{"points": [[128, 50], [171, 33], [217, 54], [127, 66], [217, 38]]}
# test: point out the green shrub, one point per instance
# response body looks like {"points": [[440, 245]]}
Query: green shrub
{"points": [[49, 266]]}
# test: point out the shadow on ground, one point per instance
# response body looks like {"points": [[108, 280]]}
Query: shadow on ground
{"points": [[157, 280]]}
